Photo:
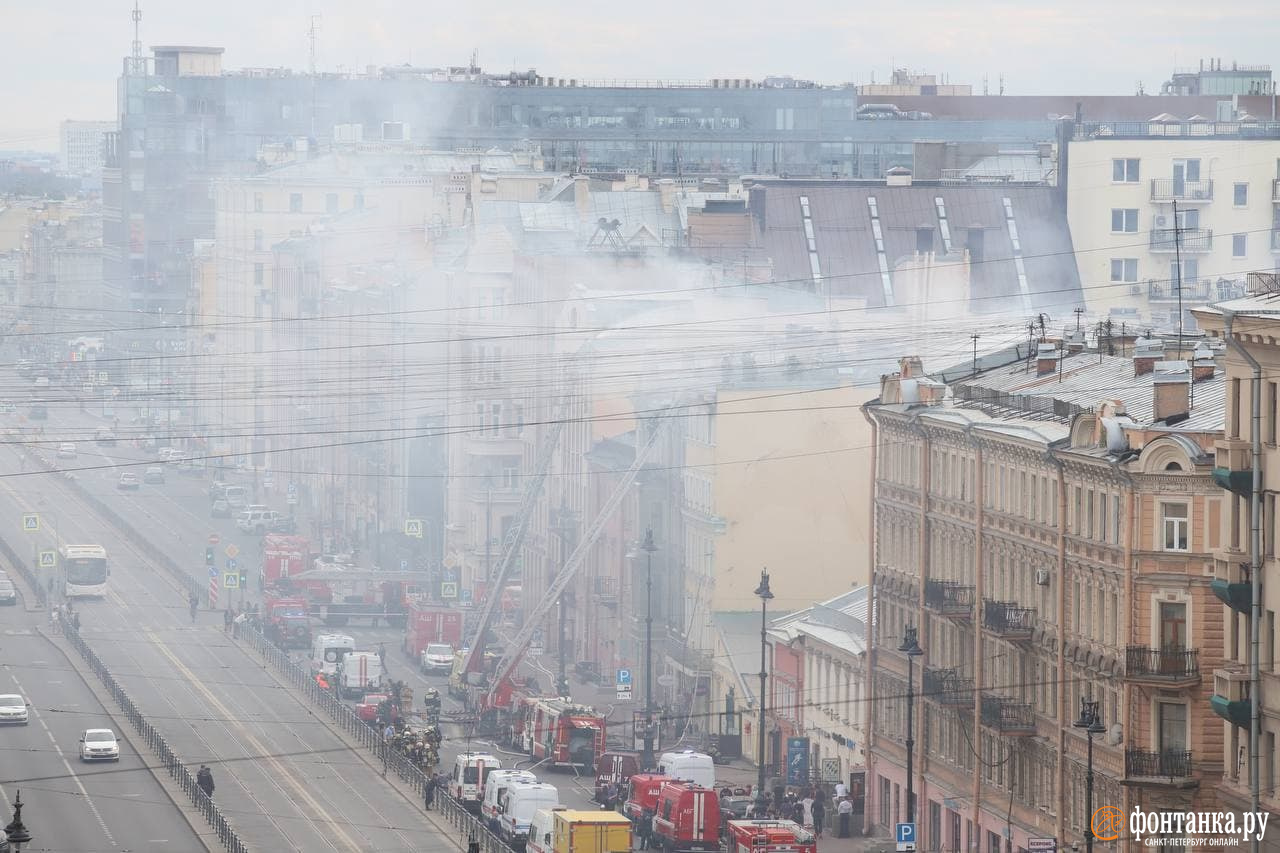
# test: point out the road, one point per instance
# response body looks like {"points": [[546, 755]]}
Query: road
{"points": [[67, 805], [177, 513], [283, 778]]}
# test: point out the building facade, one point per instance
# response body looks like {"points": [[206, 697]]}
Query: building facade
{"points": [[1020, 528], [80, 146]]}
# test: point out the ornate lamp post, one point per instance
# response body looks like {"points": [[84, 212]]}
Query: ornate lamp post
{"points": [[765, 594], [1093, 726], [911, 648]]}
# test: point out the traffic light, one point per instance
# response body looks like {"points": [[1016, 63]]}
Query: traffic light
{"points": [[209, 558]]}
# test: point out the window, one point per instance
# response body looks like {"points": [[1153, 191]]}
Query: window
{"points": [[1124, 220], [331, 203], [1124, 171], [259, 274], [1124, 269], [257, 239], [1175, 526], [1239, 245], [295, 202], [257, 202], [1240, 195]]}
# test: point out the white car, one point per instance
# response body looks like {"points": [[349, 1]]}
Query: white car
{"points": [[66, 450], [99, 745], [436, 657], [13, 709]]}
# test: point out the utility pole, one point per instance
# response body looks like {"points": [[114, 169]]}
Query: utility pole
{"points": [[1079, 312], [565, 525], [765, 594], [646, 759], [974, 337]]}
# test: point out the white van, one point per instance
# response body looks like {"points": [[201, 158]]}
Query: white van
{"points": [[689, 766], [470, 770], [494, 787], [237, 497], [328, 650], [521, 802], [542, 831], [359, 673]]}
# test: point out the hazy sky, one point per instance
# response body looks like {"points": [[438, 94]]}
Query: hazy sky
{"points": [[59, 59]]}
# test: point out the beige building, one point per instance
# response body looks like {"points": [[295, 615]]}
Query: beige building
{"points": [[1254, 322], [81, 146], [1124, 183], [1050, 545]]}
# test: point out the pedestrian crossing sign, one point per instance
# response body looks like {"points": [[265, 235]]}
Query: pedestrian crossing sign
{"points": [[448, 590], [30, 522], [47, 559], [231, 580], [413, 527]]}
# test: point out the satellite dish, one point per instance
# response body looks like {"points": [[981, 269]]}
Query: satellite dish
{"points": [[1116, 734]]}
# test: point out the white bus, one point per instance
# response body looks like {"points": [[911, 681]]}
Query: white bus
{"points": [[83, 570]]}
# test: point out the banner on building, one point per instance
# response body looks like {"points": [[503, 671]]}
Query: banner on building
{"points": [[797, 760]]}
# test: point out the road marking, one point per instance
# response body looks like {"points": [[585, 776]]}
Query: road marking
{"points": [[79, 784], [263, 752]]}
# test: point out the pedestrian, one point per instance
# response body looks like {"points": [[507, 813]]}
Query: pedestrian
{"points": [[55, 613], [797, 812], [382, 655], [204, 779], [845, 811], [75, 622], [389, 732], [429, 791], [841, 791], [194, 604], [226, 620], [819, 810], [806, 809]]}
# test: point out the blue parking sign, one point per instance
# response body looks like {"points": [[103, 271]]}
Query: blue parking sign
{"points": [[906, 833]]}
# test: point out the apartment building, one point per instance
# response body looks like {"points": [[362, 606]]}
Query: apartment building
{"points": [[1249, 325], [81, 146], [1047, 527], [1174, 202]]}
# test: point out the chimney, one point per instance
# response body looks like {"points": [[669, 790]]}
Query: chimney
{"points": [[1203, 365], [1172, 390], [1146, 353], [898, 176], [1076, 342], [581, 193], [755, 205], [667, 192], [910, 367], [1046, 359]]}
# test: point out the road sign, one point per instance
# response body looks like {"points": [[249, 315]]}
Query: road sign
{"points": [[1041, 844], [830, 770], [905, 833], [214, 539], [448, 590], [231, 564], [231, 580], [404, 565], [413, 527], [450, 560], [30, 523], [47, 559], [466, 596], [624, 678], [213, 591], [624, 695], [292, 500], [231, 551], [213, 573]]}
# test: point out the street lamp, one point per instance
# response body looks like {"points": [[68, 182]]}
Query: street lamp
{"points": [[17, 833], [646, 759], [765, 594], [1093, 726], [911, 648]]}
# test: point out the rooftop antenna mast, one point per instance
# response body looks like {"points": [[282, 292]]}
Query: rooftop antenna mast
{"points": [[312, 33], [138, 63]]}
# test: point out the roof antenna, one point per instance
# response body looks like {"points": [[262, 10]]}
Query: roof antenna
{"points": [[138, 64]]}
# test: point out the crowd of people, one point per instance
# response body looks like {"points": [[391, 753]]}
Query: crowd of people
{"points": [[60, 613], [809, 806]]}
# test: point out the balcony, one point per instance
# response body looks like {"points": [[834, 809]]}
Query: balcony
{"points": [[949, 598], [947, 687], [1233, 466], [1185, 240], [1168, 766], [605, 590], [1230, 699], [1008, 716], [1166, 290], [1007, 620], [1167, 667], [1174, 189], [1275, 190]]}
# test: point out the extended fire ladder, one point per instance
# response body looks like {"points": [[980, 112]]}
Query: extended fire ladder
{"points": [[516, 648], [515, 537]]}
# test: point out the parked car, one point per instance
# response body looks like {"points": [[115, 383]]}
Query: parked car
{"points": [[153, 474], [128, 480], [13, 709], [66, 450], [220, 509], [8, 592], [259, 521], [99, 745]]}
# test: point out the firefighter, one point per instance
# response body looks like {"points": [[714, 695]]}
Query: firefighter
{"points": [[322, 681], [429, 791]]}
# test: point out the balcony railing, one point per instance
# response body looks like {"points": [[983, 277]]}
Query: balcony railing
{"points": [[1181, 239], [1169, 189], [1166, 289], [606, 589], [1171, 664], [1275, 190], [1008, 716], [1167, 764], [948, 687], [949, 598], [1006, 619], [1275, 240]]}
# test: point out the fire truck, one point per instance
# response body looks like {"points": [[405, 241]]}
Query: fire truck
{"points": [[559, 732], [430, 623], [768, 836], [282, 557], [288, 622], [688, 818], [339, 594], [642, 794]]}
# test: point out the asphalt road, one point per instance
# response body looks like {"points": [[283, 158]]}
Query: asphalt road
{"points": [[283, 778], [70, 806]]}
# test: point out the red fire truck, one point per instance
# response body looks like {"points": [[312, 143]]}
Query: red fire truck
{"points": [[288, 622], [688, 818], [615, 768], [283, 556], [642, 794], [430, 623], [337, 595], [559, 732], [768, 836]]}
